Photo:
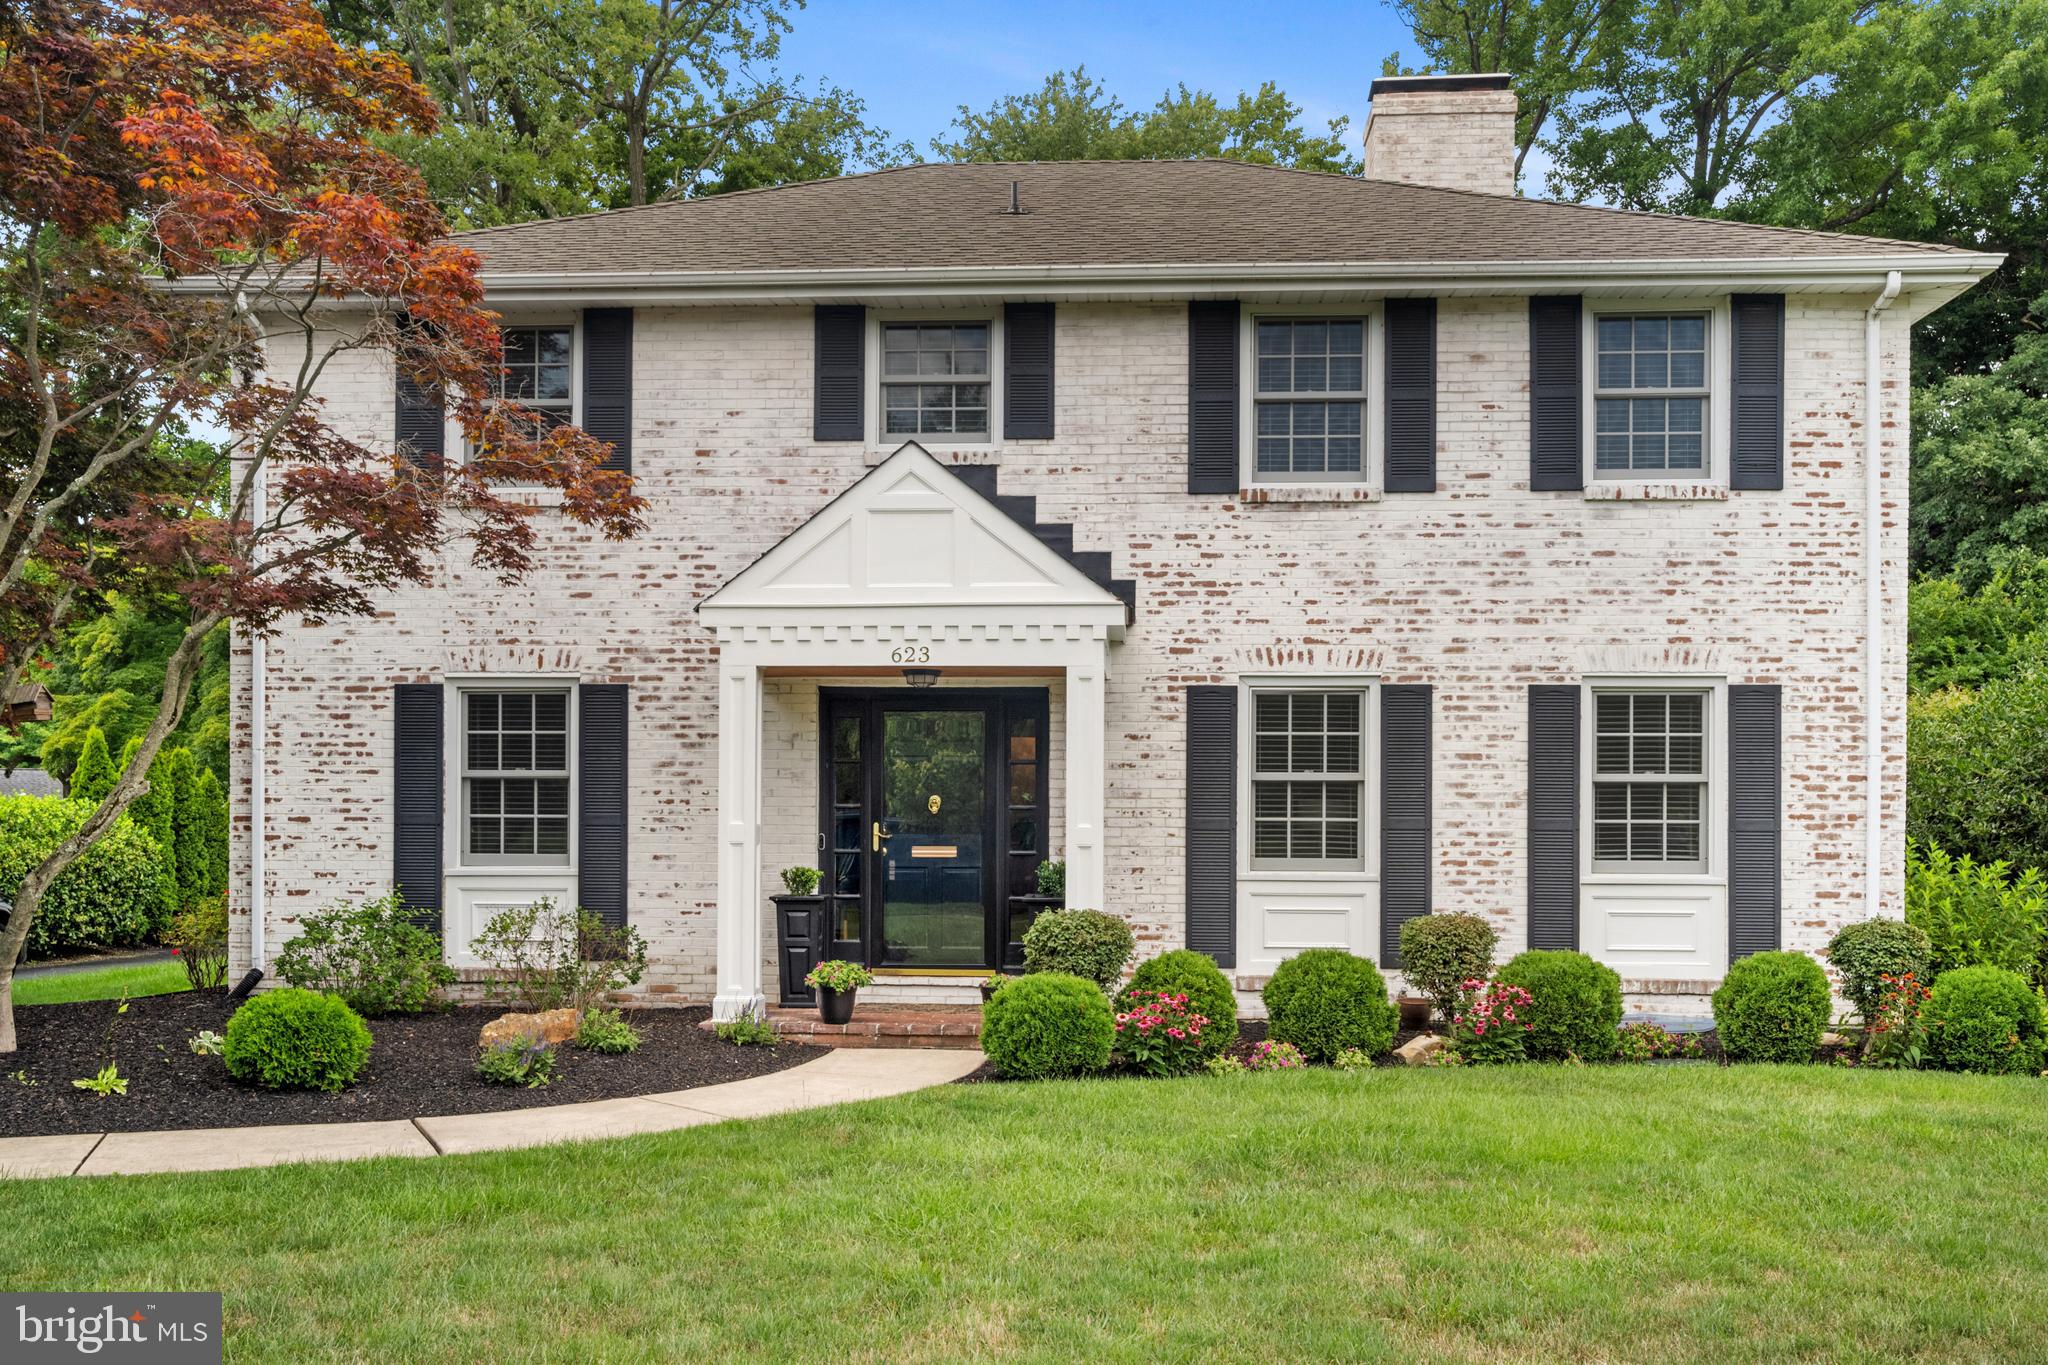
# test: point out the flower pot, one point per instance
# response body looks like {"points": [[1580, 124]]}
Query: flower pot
{"points": [[988, 991], [1415, 1013], [835, 1007]]}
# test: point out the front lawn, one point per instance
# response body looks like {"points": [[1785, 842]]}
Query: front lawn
{"points": [[101, 983], [1532, 1213]]}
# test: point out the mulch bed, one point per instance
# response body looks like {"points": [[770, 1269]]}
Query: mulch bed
{"points": [[421, 1065]]}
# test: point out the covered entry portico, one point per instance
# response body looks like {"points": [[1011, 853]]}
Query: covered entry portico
{"points": [[910, 568]]}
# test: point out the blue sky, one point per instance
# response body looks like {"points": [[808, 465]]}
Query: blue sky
{"points": [[915, 62]]}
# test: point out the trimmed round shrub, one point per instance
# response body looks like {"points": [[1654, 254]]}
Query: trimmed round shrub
{"points": [[1772, 1007], [1574, 1004], [1984, 1019], [293, 1039], [1326, 1000], [1083, 943], [117, 893], [1870, 950], [1195, 975], [1048, 1024], [1440, 953]]}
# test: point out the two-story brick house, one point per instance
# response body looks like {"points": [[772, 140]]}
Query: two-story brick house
{"points": [[1290, 553]]}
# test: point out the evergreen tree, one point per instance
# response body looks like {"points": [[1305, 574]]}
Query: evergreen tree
{"points": [[212, 800], [188, 824], [95, 773], [156, 810]]}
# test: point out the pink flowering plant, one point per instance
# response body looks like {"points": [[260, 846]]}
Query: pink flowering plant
{"points": [[1644, 1041], [1161, 1033], [1491, 1022], [1272, 1056]]}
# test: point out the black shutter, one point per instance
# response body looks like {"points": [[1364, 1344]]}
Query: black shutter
{"points": [[608, 381], [1212, 822], [416, 761], [1027, 371], [1556, 454], [1411, 396], [601, 710], [1759, 407], [1755, 807], [1212, 396], [842, 351], [1553, 817], [422, 426], [1405, 852]]}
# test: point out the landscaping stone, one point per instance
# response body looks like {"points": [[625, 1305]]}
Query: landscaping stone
{"points": [[1418, 1050], [549, 1026], [1833, 1040]]}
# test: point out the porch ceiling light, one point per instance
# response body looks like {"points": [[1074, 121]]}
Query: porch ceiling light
{"points": [[921, 677]]}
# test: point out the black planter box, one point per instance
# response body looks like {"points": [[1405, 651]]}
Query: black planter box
{"points": [[799, 945]]}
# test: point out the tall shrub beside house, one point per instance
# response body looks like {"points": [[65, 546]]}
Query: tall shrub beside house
{"points": [[213, 806], [156, 811], [1977, 914], [115, 895], [188, 826]]}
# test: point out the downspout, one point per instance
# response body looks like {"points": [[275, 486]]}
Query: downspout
{"points": [[1873, 599], [258, 509]]}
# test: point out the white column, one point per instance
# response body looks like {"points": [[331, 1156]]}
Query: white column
{"points": [[739, 858], [1087, 757]]}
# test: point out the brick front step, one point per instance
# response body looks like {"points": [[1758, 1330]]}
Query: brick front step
{"points": [[893, 1026]]}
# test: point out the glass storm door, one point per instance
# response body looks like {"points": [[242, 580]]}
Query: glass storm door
{"points": [[933, 835]]}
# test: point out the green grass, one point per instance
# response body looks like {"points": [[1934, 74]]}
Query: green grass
{"points": [[1606, 1214], [106, 983]]}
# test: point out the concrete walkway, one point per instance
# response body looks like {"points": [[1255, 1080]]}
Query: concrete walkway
{"points": [[835, 1078]]}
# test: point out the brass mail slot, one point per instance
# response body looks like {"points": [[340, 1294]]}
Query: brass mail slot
{"points": [[934, 851]]}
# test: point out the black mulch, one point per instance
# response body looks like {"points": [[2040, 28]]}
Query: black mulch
{"points": [[420, 1065]]}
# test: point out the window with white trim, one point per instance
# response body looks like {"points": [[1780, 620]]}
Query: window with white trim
{"points": [[1649, 781], [1650, 395], [516, 777], [1309, 399], [1308, 780], [936, 379], [536, 370]]}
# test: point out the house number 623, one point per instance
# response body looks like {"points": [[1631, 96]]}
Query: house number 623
{"points": [[911, 654]]}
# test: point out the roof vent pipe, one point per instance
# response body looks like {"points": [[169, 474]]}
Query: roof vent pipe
{"points": [[1015, 206]]}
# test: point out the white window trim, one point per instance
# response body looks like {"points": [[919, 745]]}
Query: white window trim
{"points": [[1368, 688], [1714, 838], [1720, 395], [455, 799], [456, 439], [1371, 480], [880, 442]]}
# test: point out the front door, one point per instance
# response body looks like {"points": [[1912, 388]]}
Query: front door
{"points": [[933, 823]]}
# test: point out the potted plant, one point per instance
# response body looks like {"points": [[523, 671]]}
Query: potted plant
{"points": [[1051, 880], [800, 931], [836, 981], [991, 986]]}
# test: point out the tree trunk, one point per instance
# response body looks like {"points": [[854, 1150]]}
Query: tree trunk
{"points": [[178, 676], [636, 154]]}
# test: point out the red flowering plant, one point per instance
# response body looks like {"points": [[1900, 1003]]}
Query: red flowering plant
{"points": [[1160, 1034], [1271, 1056], [1491, 1022], [1897, 1035]]}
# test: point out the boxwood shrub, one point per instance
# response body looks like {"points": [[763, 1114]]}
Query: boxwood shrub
{"points": [[296, 1040], [117, 893], [1326, 1000], [1984, 1019], [1772, 1007], [1048, 1024], [1195, 975], [1870, 950], [1083, 943], [1575, 1004], [1440, 953]]}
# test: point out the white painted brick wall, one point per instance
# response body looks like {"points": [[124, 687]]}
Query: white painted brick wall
{"points": [[1480, 589]]}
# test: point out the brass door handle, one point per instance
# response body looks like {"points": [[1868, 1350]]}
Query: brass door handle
{"points": [[878, 836]]}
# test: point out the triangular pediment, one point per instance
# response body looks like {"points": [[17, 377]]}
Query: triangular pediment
{"points": [[910, 533]]}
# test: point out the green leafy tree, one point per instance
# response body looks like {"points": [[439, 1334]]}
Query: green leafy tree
{"points": [[93, 776], [1962, 639], [1074, 117]]}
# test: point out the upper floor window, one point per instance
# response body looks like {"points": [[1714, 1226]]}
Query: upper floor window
{"points": [[536, 370], [935, 379], [1308, 783], [515, 777], [1650, 395], [1309, 399], [1649, 781]]}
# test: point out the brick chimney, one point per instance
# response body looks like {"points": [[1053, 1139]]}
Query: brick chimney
{"points": [[1456, 132]]}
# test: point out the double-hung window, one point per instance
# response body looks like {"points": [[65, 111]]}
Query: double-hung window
{"points": [[536, 373], [1649, 781], [1650, 399], [1308, 783], [935, 379], [516, 777], [1309, 399]]}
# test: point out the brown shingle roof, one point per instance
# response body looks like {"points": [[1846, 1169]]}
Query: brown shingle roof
{"points": [[1127, 213]]}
